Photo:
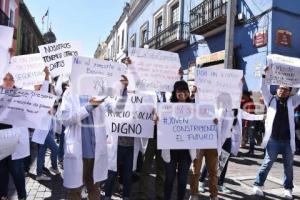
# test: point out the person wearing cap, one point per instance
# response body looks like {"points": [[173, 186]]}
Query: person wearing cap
{"points": [[279, 135], [178, 160]]}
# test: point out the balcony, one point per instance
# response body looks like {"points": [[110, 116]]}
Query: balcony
{"points": [[208, 16], [3, 18], [173, 38]]}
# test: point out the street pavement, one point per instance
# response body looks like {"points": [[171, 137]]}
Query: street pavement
{"points": [[240, 177]]}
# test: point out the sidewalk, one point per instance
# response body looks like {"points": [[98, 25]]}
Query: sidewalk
{"points": [[240, 177]]}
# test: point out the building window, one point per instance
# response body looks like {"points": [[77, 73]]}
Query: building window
{"points": [[11, 17], [122, 42], [118, 44], [133, 40], [158, 24], [175, 13], [144, 34]]}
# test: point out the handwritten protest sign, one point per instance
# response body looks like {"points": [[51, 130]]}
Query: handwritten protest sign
{"points": [[27, 70], [96, 77], [25, 108], [131, 116], [58, 56], [4, 60], [186, 126], [221, 87], [222, 161], [153, 70], [9, 139], [6, 36], [283, 70]]}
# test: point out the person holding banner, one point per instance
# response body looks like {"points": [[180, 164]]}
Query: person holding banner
{"points": [[85, 153], [178, 160], [13, 164], [279, 135], [122, 151]]}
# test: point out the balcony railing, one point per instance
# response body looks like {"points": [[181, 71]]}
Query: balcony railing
{"points": [[207, 16], [172, 38], [3, 18]]}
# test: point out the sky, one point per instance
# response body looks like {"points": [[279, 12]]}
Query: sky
{"points": [[87, 21]]}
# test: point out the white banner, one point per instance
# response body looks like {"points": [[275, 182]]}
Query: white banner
{"points": [[25, 108], [6, 36], [9, 139], [4, 60], [28, 70], [153, 70], [131, 116], [186, 126], [58, 56], [221, 87], [283, 70], [96, 77]]}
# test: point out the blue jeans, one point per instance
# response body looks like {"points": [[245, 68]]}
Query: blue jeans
{"points": [[124, 158], [15, 168], [182, 163], [49, 143], [61, 145], [251, 133], [275, 147]]}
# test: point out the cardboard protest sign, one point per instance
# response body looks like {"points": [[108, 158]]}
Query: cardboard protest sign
{"points": [[25, 108], [186, 126], [58, 56], [96, 77], [9, 139], [220, 87], [4, 60], [27, 70], [222, 161], [131, 116], [283, 70], [6, 36], [153, 70]]}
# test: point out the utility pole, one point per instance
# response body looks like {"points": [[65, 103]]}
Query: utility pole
{"points": [[229, 38]]}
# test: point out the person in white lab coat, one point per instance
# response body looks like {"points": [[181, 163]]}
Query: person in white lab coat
{"points": [[279, 135], [13, 164], [85, 158]]}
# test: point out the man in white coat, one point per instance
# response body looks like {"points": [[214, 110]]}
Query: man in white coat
{"points": [[279, 137], [85, 159]]}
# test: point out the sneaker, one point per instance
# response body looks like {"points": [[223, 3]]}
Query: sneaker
{"points": [[288, 194], [54, 171], [43, 177], [223, 189], [193, 197], [257, 190], [201, 187]]}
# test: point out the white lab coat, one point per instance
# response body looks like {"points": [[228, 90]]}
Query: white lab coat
{"points": [[71, 114], [23, 147], [292, 103]]}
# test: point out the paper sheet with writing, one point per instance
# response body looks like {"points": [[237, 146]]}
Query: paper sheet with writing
{"points": [[9, 139], [153, 70], [6, 36], [58, 56], [96, 77], [27, 70], [283, 70], [186, 126], [25, 108], [221, 87], [4, 60], [131, 116]]}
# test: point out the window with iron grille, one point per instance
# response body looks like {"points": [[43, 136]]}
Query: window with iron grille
{"points": [[159, 24], [175, 13]]}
